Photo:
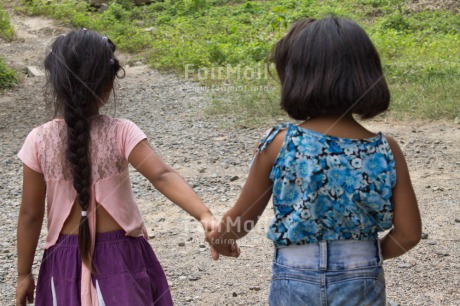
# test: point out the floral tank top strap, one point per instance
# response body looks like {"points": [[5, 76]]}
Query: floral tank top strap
{"points": [[268, 137]]}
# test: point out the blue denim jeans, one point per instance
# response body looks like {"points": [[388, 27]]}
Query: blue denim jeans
{"points": [[340, 272]]}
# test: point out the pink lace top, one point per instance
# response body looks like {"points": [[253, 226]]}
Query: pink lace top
{"points": [[112, 140]]}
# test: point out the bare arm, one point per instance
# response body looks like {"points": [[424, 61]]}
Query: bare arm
{"points": [[29, 226], [256, 193], [407, 225], [167, 181]]}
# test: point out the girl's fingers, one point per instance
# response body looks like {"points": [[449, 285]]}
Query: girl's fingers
{"points": [[214, 253], [235, 250], [30, 293]]}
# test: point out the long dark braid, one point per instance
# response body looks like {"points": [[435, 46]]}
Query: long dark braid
{"points": [[81, 69]]}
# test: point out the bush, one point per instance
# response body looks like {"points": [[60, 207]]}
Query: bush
{"points": [[6, 29], [7, 76]]}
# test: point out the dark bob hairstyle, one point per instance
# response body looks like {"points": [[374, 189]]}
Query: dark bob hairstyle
{"points": [[329, 67]]}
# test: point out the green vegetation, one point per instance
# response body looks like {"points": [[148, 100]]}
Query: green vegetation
{"points": [[6, 29], [419, 49], [7, 76]]}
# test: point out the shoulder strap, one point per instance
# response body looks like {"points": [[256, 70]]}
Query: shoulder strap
{"points": [[268, 137]]}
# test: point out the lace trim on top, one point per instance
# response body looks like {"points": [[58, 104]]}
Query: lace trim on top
{"points": [[106, 158]]}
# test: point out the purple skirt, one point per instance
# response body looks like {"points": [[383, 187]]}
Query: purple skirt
{"points": [[126, 272]]}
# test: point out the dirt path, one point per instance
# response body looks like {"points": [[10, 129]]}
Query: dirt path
{"points": [[210, 156]]}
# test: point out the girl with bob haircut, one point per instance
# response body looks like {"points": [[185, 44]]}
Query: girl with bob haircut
{"points": [[96, 249], [335, 184]]}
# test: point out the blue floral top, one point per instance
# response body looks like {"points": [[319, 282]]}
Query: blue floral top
{"points": [[329, 188]]}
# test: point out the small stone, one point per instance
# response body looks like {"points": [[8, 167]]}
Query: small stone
{"points": [[193, 278], [254, 288], [182, 277], [234, 294], [457, 220], [202, 170], [234, 178], [151, 236], [33, 71], [405, 265], [153, 30], [442, 254], [103, 8], [424, 236], [202, 246], [6, 251], [432, 243], [392, 303], [181, 244], [188, 299]]}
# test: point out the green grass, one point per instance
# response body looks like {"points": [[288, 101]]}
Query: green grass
{"points": [[7, 76], [420, 50], [6, 29], [432, 98]]}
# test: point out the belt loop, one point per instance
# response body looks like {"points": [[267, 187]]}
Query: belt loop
{"points": [[323, 255], [275, 254]]}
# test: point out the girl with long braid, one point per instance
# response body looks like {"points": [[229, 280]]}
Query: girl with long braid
{"points": [[96, 252]]}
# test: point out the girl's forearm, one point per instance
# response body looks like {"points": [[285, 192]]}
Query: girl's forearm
{"points": [[234, 225], [174, 187], [28, 233], [394, 244]]}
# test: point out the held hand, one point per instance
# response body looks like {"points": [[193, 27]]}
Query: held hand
{"points": [[211, 229], [222, 246], [210, 224], [25, 290]]}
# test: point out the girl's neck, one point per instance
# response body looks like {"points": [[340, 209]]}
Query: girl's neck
{"points": [[344, 127]]}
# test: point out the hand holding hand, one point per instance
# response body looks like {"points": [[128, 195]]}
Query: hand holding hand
{"points": [[25, 290], [222, 246], [226, 248], [210, 224]]}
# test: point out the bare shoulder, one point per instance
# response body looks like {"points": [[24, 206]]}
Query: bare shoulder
{"points": [[271, 141]]}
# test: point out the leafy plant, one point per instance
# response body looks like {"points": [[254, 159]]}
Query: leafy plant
{"points": [[7, 76], [6, 29]]}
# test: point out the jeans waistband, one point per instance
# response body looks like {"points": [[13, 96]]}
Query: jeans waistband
{"points": [[333, 255]]}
